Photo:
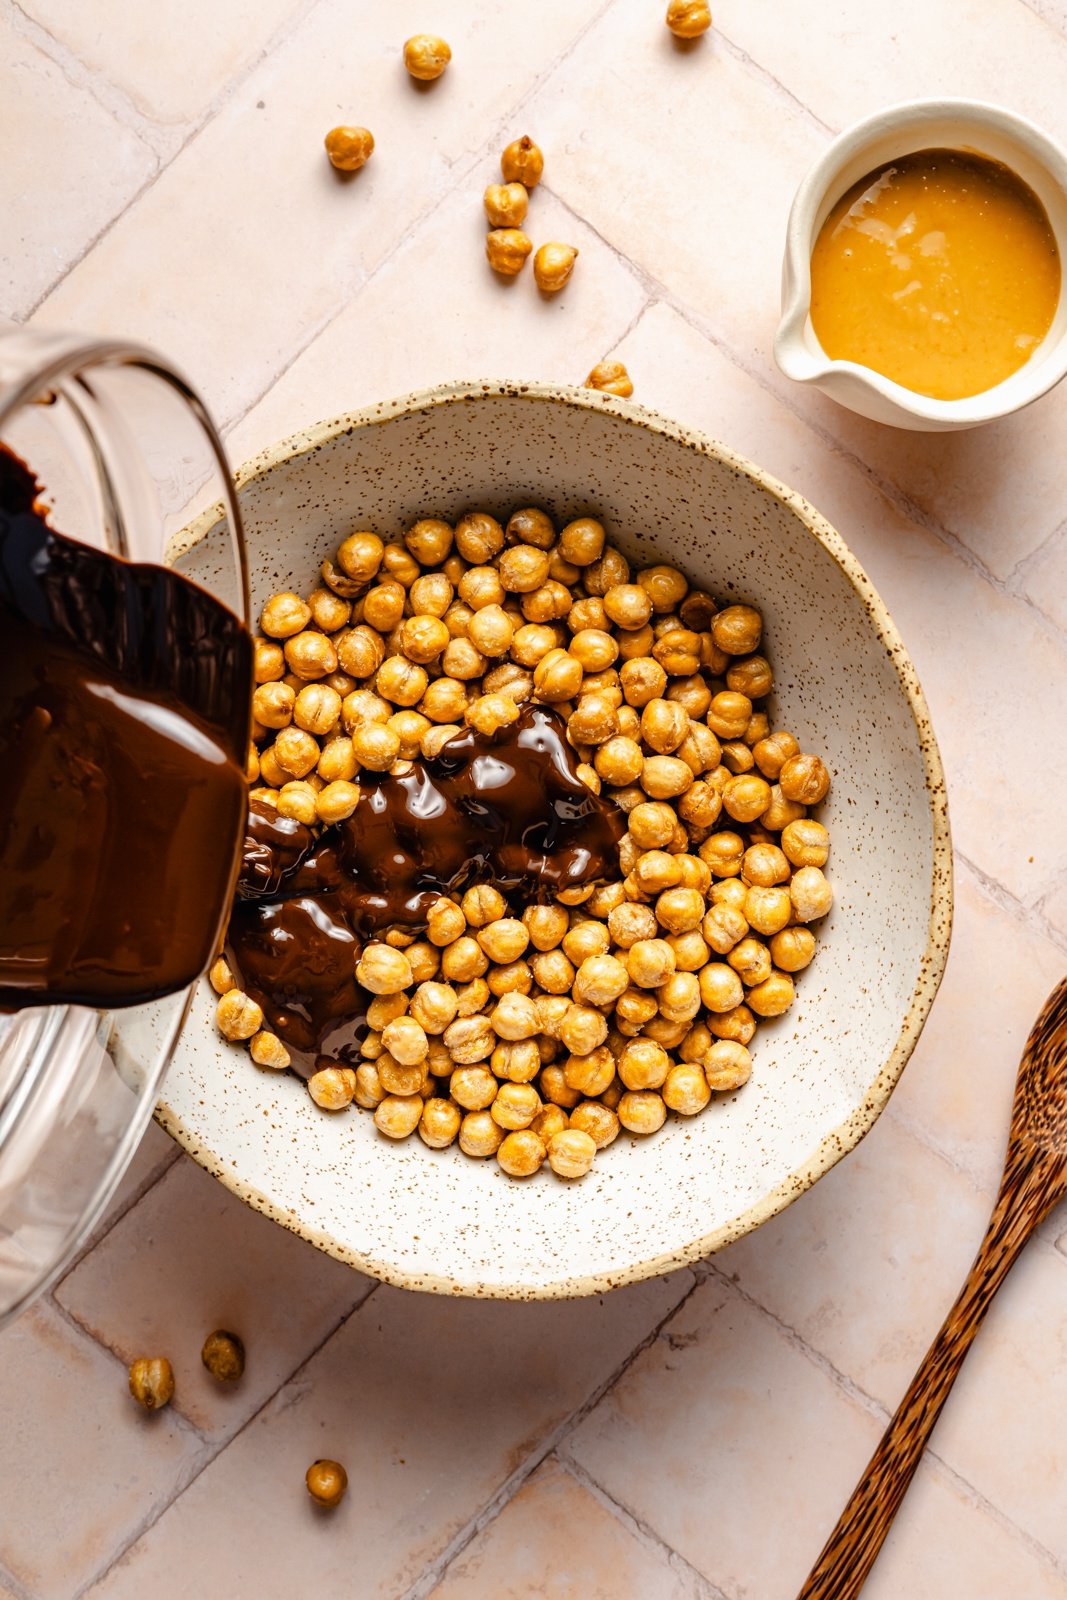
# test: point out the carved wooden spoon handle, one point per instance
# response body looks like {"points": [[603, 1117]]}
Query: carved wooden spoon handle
{"points": [[850, 1552]]}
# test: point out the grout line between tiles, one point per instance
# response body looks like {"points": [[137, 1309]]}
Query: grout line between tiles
{"points": [[702, 1587], [461, 167], [765, 75], [506, 1491], [881, 1414], [9, 1581], [134, 1199], [1020, 909], [108, 95], [214, 1451], [187, 133]]}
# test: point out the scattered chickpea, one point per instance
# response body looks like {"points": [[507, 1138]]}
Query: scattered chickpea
{"points": [[522, 162], [152, 1382], [426, 56], [506, 250], [397, 1116], [238, 1016], [688, 19], [610, 377], [349, 148], [326, 1483], [553, 265], [224, 1356], [506, 205]]}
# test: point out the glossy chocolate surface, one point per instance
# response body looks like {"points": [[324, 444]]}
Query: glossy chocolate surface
{"points": [[124, 696], [510, 811]]}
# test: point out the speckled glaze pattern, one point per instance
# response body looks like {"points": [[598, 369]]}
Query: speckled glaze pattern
{"points": [[435, 1220]]}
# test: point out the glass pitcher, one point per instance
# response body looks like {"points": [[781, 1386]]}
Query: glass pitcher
{"points": [[127, 456]]}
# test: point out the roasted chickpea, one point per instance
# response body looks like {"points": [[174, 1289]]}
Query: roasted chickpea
{"points": [[738, 1024], [522, 162], [515, 1017], [557, 676], [610, 377], [268, 661], [680, 910], [720, 987], [479, 1135], [773, 752], [804, 779], [434, 1006], [727, 1065], [764, 865], [737, 630], [806, 843], [521, 1153], [297, 800], [643, 679], [685, 1089], [349, 148], [463, 960], [773, 996], [600, 980], [678, 652], [688, 19], [584, 939], [723, 852], [310, 655], [582, 1029], [810, 894], [641, 1111], [793, 949], [768, 910], [426, 56], [360, 651], [237, 1015], [151, 1382], [751, 960], [383, 970], [515, 1105], [570, 1153], [664, 724], [439, 1122], [506, 250], [750, 676], [746, 797], [445, 701], [505, 205], [332, 1088], [397, 1116], [284, 615], [665, 777]]}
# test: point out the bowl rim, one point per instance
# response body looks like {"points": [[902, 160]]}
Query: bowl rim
{"points": [[840, 1140]]}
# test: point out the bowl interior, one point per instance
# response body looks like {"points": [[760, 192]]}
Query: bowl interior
{"points": [[844, 686]]}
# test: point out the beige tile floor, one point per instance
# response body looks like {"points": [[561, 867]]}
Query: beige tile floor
{"points": [[688, 1439]]}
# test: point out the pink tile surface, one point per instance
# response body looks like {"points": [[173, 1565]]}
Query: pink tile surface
{"points": [[224, 1266], [533, 1549], [56, 194], [167, 182], [83, 1467], [430, 1404]]}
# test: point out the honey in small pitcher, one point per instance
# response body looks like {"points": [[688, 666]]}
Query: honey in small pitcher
{"points": [[939, 270]]}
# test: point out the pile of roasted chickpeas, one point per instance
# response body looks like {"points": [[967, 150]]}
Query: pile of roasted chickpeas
{"points": [[539, 1034]]}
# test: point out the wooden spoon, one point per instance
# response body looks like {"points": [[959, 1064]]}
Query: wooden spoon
{"points": [[1034, 1180]]}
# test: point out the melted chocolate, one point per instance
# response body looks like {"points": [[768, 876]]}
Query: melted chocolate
{"points": [[510, 811], [124, 711]]}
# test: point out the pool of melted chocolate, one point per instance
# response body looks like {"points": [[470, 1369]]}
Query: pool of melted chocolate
{"points": [[124, 715], [509, 810]]}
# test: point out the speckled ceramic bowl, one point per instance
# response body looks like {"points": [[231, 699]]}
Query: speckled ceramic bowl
{"points": [[845, 686]]}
